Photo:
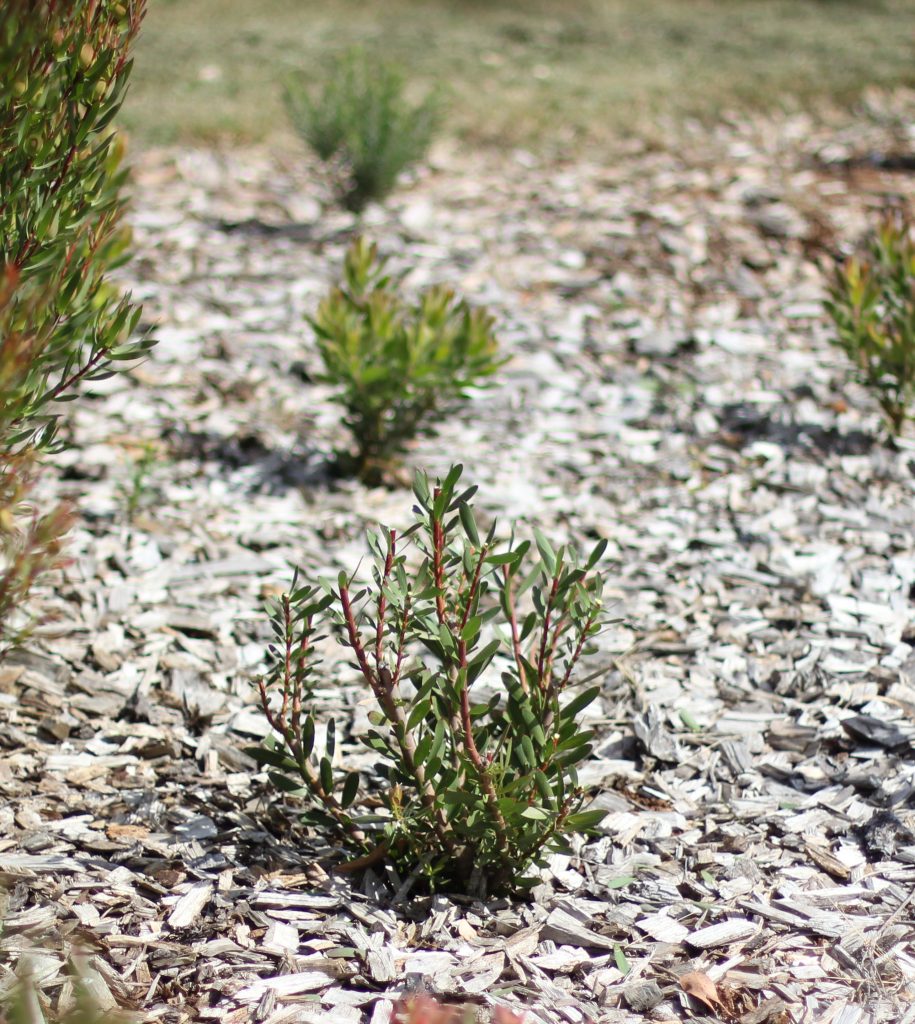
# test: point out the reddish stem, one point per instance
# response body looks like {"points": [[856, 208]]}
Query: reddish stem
{"points": [[383, 601], [544, 636], [438, 569], [394, 713], [516, 635]]}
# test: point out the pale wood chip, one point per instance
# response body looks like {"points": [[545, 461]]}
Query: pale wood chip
{"points": [[190, 905], [287, 985], [561, 926], [735, 929]]}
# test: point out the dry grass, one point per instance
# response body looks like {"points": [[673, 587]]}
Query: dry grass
{"points": [[535, 72]]}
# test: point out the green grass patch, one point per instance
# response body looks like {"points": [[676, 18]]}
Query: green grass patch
{"points": [[547, 73]]}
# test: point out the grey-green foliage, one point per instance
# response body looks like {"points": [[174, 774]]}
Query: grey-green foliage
{"points": [[63, 322], [361, 123], [469, 650], [394, 362], [872, 306], [63, 74]]}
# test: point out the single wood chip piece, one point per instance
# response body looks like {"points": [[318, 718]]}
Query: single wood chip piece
{"points": [[663, 928], [769, 1011], [190, 905], [478, 976], [850, 1014], [118, 831], [563, 927], [829, 863], [380, 964], [733, 930], [287, 985], [25, 864], [281, 938]]}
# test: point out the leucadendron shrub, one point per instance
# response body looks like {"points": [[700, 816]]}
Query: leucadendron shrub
{"points": [[63, 324], [470, 651], [395, 363], [872, 307], [362, 125]]}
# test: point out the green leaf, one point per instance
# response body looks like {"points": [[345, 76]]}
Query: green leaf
{"points": [[350, 789], [597, 554], [327, 775], [445, 639], [584, 821], [686, 717], [447, 489], [308, 735], [469, 523], [275, 758], [579, 703], [331, 738], [470, 631], [546, 551], [421, 488], [534, 814], [482, 660], [419, 713], [287, 785], [622, 964], [543, 787], [503, 558]]}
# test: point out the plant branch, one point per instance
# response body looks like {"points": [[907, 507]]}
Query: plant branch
{"points": [[394, 713], [438, 569], [544, 636], [515, 632], [383, 601]]}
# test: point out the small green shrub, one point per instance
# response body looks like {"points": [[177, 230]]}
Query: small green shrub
{"points": [[136, 492], [362, 125], [872, 306], [395, 363], [475, 788], [63, 71]]}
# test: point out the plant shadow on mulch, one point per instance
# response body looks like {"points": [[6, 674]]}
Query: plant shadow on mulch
{"points": [[746, 423], [275, 470], [300, 232]]}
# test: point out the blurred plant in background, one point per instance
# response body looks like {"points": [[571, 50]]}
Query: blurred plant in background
{"points": [[393, 362], [426, 1009], [872, 306], [361, 124], [63, 72]]}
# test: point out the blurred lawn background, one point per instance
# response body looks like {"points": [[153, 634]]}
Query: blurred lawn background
{"points": [[541, 73]]}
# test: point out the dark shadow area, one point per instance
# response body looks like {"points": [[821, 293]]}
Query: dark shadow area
{"points": [[892, 160], [295, 231], [746, 423], [276, 471]]}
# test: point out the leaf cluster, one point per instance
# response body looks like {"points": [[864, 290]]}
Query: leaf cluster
{"points": [[872, 306], [362, 125], [469, 650], [395, 362], [63, 72]]}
